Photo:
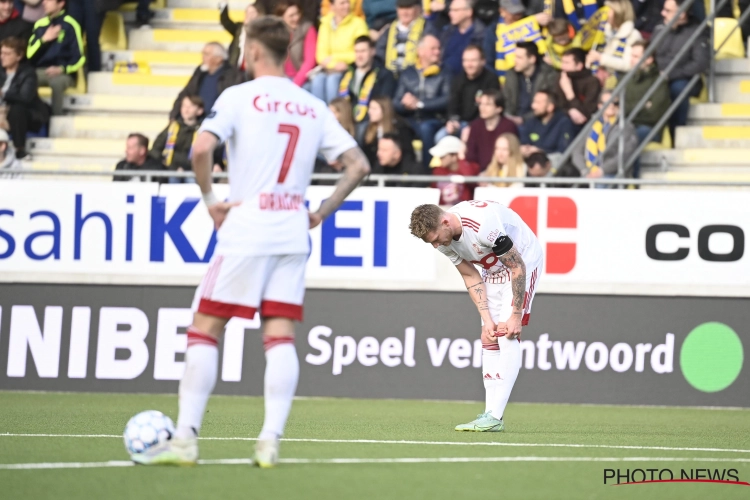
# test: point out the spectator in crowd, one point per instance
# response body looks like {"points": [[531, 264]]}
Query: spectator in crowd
{"points": [[484, 131], [449, 150], [355, 7], [174, 144], [695, 61], [466, 89], [90, 16], [501, 55], [559, 41], [335, 51], [137, 158], [237, 48], [378, 15], [11, 23], [577, 90], [593, 158], [24, 111], [382, 120], [31, 10], [341, 107], [143, 14], [209, 79], [645, 76], [56, 50], [304, 40], [365, 80], [529, 75], [393, 161], [397, 47], [539, 165], [575, 13], [550, 131], [620, 35], [462, 31], [648, 14], [8, 158], [422, 94], [507, 161]]}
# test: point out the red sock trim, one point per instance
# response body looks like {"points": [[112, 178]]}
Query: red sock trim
{"points": [[196, 337], [271, 342], [491, 347]]}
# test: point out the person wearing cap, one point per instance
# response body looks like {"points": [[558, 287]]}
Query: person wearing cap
{"points": [[449, 151], [393, 161], [422, 94], [512, 27], [397, 48], [7, 156]]}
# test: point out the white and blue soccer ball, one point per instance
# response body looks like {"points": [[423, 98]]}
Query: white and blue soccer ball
{"points": [[147, 429]]}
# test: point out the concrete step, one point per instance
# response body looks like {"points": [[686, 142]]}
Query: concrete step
{"points": [[720, 114], [733, 67], [176, 40], [159, 61], [714, 136], [695, 159], [113, 127], [187, 18], [52, 147], [106, 105], [134, 84], [696, 177], [206, 4], [733, 90], [91, 164]]}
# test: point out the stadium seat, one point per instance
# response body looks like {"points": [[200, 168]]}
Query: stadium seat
{"points": [[733, 48], [113, 36], [155, 4], [666, 142], [80, 87]]}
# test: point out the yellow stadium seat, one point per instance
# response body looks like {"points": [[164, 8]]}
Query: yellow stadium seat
{"points": [[666, 142], [80, 87], [733, 48], [155, 4], [113, 35]]}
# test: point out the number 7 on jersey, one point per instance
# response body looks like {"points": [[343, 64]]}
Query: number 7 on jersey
{"points": [[293, 131]]}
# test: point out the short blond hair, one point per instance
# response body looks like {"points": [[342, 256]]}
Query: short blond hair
{"points": [[424, 219]]}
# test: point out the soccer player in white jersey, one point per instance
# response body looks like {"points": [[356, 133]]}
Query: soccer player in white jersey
{"points": [[273, 130], [493, 237]]}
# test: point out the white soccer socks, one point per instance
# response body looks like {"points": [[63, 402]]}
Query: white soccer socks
{"points": [[501, 363], [201, 368], [282, 373]]}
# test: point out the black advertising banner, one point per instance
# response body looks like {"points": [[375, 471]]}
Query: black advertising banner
{"points": [[385, 344]]}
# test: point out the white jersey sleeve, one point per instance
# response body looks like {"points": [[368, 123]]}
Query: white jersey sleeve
{"points": [[453, 256], [222, 118], [490, 229], [336, 140]]}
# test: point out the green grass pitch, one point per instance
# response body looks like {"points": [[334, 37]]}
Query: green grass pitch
{"points": [[520, 463]]}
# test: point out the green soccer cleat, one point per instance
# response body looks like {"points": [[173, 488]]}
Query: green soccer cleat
{"points": [[172, 452], [266, 453], [485, 422]]}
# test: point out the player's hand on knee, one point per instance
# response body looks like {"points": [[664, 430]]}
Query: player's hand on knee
{"points": [[500, 330], [488, 334]]}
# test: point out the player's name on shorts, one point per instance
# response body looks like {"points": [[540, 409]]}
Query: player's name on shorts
{"points": [[281, 201], [265, 104]]}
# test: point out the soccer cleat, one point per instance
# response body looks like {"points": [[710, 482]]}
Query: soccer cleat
{"points": [[172, 452], [266, 453], [485, 422]]}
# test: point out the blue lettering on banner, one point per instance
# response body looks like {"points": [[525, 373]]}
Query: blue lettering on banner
{"points": [[161, 227], [9, 241], [54, 233], [80, 221], [129, 232], [330, 232], [380, 250]]}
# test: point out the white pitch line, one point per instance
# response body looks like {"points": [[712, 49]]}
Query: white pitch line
{"points": [[342, 461], [425, 443]]}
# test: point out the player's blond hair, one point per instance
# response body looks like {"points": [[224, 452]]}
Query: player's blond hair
{"points": [[425, 218]]}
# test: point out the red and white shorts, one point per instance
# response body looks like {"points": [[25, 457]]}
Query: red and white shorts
{"points": [[500, 298], [239, 286]]}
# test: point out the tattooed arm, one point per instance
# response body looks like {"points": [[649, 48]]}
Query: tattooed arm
{"points": [[356, 168], [478, 293], [513, 261]]}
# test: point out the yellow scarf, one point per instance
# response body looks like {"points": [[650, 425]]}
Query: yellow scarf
{"points": [[363, 99], [556, 51], [592, 33], [589, 8], [596, 143], [410, 51], [525, 30], [172, 132]]}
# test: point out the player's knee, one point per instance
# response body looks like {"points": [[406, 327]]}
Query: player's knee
{"points": [[209, 325], [278, 327]]}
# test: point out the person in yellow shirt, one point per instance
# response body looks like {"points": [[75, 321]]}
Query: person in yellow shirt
{"points": [[356, 8], [335, 49]]}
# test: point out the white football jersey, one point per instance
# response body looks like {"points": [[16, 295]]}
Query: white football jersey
{"points": [[273, 131], [483, 222]]}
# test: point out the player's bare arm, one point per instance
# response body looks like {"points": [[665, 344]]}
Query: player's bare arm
{"points": [[511, 259], [478, 293], [356, 168], [203, 151]]}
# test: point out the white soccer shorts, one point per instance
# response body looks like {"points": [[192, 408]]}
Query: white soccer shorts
{"points": [[240, 286], [500, 298]]}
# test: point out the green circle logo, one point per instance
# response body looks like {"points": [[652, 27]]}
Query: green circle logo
{"points": [[711, 357]]}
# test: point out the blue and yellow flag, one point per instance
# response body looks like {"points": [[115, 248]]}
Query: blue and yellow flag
{"points": [[525, 30], [589, 9]]}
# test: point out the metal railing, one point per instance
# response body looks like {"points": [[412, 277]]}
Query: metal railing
{"points": [[618, 93], [711, 78], [381, 180]]}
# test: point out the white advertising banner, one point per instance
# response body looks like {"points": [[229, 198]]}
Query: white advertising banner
{"points": [[146, 233]]}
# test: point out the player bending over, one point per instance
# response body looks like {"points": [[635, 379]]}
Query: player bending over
{"points": [[493, 237], [274, 131]]}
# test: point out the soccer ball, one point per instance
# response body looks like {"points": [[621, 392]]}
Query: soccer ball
{"points": [[147, 429]]}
